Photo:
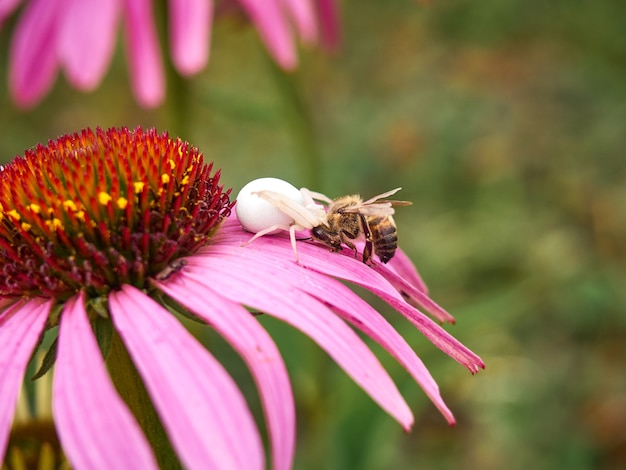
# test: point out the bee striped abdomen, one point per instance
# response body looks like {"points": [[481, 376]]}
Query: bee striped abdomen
{"points": [[384, 236]]}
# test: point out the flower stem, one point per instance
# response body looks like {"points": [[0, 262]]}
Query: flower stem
{"points": [[130, 386], [179, 100], [301, 124]]}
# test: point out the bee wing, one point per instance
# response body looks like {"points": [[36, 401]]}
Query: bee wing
{"points": [[399, 203], [380, 209], [381, 196], [303, 216]]}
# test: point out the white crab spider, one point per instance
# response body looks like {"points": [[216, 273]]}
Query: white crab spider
{"points": [[268, 205]]}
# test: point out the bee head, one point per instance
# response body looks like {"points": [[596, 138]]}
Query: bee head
{"points": [[324, 234]]}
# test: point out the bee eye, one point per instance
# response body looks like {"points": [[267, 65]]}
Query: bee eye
{"points": [[317, 232]]}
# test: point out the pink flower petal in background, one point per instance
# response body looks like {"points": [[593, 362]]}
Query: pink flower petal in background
{"points": [[20, 328], [225, 269], [144, 57], [80, 36], [273, 29], [33, 53], [90, 416], [201, 407], [256, 347], [86, 41], [6, 7], [190, 23], [329, 23], [303, 15]]}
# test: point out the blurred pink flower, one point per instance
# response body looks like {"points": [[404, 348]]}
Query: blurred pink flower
{"points": [[79, 37], [107, 226]]}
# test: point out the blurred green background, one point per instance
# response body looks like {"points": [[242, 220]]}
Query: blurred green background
{"points": [[505, 123]]}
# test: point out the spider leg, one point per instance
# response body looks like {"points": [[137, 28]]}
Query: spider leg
{"points": [[292, 236], [302, 215], [312, 195], [268, 230]]}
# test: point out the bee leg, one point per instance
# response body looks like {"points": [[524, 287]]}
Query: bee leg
{"points": [[367, 252], [368, 249], [352, 246]]}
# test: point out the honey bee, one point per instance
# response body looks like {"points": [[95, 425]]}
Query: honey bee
{"points": [[349, 217], [267, 205]]}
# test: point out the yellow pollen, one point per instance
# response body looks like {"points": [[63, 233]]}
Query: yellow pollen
{"points": [[185, 180], [35, 208], [138, 186], [70, 205], [26, 227], [172, 162], [104, 198], [122, 202], [54, 224], [14, 214], [80, 215], [165, 178]]}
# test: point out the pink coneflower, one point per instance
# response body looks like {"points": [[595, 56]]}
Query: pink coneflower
{"points": [[104, 234], [79, 37]]}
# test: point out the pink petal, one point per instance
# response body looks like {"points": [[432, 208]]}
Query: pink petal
{"points": [[144, 57], [354, 271], [413, 295], [6, 7], [405, 268], [87, 36], [190, 28], [329, 22], [33, 52], [344, 302], [229, 273], [202, 410], [20, 328], [273, 29], [256, 347], [304, 17], [5, 303], [95, 427], [343, 265]]}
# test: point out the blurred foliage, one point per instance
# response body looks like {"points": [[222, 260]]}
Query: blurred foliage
{"points": [[504, 122]]}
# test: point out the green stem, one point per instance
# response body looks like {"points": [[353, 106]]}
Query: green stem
{"points": [[301, 124], [178, 103], [130, 386], [178, 96]]}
